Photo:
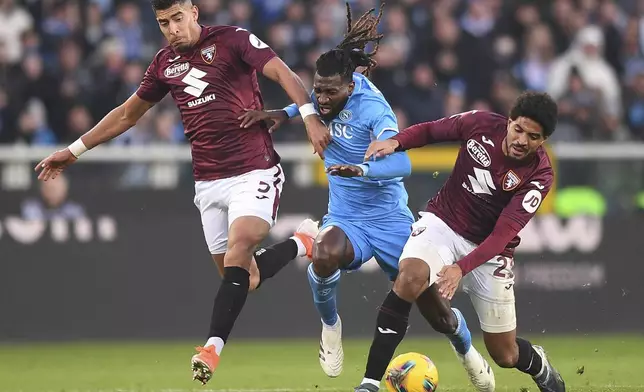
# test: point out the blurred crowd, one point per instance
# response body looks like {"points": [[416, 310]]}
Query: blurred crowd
{"points": [[66, 63]]}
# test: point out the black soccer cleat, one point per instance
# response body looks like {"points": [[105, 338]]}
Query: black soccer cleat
{"points": [[366, 387], [549, 380]]}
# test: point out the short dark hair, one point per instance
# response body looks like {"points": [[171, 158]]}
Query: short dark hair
{"points": [[165, 4], [350, 54], [538, 107]]}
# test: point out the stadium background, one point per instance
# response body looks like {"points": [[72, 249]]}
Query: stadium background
{"points": [[115, 251]]}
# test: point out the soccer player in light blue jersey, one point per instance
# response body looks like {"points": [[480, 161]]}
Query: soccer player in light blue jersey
{"points": [[367, 214]]}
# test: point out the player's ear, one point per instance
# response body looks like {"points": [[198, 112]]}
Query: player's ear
{"points": [[352, 85], [195, 12]]}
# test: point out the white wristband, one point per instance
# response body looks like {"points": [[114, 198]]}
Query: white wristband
{"points": [[77, 148], [306, 110]]}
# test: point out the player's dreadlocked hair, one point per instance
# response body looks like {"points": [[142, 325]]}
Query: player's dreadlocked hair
{"points": [[350, 54], [165, 4]]}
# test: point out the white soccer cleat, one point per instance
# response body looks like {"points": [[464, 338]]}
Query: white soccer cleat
{"points": [[479, 371], [306, 232], [309, 227], [331, 353]]}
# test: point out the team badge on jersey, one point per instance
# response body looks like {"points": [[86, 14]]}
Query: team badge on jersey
{"points": [[510, 181], [345, 115], [208, 54]]}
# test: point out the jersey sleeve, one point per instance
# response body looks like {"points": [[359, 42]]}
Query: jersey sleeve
{"points": [[152, 89], [385, 123], [448, 129], [252, 50], [293, 111], [528, 198]]}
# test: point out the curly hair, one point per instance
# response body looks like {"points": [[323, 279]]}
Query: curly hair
{"points": [[539, 107]]}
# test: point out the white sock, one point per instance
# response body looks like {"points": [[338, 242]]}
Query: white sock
{"points": [[334, 326], [301, 249], [217, 342], [370, 381]]}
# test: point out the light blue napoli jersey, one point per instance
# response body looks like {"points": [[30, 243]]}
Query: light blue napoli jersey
{"points": [[366, 117]]}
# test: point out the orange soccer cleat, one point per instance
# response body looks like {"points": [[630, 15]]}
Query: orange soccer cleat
{"points": [[204, 364]]}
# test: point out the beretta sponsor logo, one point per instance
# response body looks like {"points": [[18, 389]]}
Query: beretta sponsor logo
{"points": [[176, 70], [478, 153]]}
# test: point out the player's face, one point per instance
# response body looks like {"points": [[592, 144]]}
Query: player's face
{"points": [[331, 94], [179, 25], [523, 139]]}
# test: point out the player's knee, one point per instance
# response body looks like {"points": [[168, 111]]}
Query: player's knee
{"points": [[329, 251], [445, 323], [411, 279], [326, 258], [505, 358]]}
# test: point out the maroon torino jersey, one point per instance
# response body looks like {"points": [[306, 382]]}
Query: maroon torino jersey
{"points": [[212, 85], [485, 185]]}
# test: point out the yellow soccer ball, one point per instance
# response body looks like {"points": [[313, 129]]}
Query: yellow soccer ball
{"points": [[411, 372]]}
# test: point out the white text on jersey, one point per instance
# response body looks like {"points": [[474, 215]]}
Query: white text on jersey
{"points": [[202, 100], [340, 130]]}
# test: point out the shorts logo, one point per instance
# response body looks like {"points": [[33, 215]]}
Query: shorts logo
{"points": [[510, 181], [417, 231], [478, 153], [345, 115], [176, 69], [208, 54]]}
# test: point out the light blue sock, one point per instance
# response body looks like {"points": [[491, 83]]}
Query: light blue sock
{"points": [[324, 295], [462, 338]]}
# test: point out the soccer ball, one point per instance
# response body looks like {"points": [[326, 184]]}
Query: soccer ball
{"points": [[411, 372]]}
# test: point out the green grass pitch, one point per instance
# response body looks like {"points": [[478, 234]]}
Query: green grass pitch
{"points": [[611, 364]]}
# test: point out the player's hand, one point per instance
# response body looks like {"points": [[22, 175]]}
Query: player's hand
{"points": [[448, 279], [251, 117], [54, 164], [381, 148], [319, 134], [345, 171]]}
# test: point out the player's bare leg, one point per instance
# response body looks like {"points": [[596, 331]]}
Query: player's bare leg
{"points": [[509, 351], [331, 251], [270, 260], [245, 234], [450, 321]]}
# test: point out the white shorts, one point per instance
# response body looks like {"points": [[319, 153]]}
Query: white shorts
{"points": [[220, 202], [490, 286]]}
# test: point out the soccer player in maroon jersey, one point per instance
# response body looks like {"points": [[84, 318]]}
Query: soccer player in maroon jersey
{"points": [[468, 233], [210, 71]]}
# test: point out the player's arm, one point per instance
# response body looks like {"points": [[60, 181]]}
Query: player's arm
{"points": [[318, 133], [261, 57], [277, 71], [514, 217], [150, 91], [113, 124], [277, 116], [116, 122], [385, 127], [447, 129]]}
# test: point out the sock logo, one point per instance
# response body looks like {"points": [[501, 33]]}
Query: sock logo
{"points": [[324, 292], [386, 331]]}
